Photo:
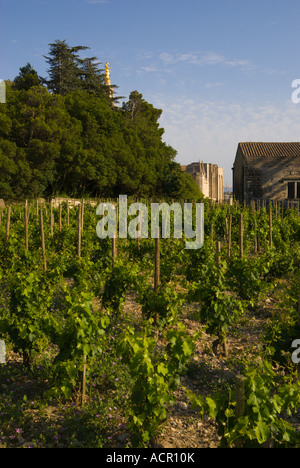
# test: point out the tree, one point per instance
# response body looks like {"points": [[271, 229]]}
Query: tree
{"points": [[178, 184], [69, 138], [93, 78], [65, 67], [39, 126], [27, 78], [142, 118]]}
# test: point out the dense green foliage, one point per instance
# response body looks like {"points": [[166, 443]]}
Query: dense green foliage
{"points": [[66, 134], [71, 319]]}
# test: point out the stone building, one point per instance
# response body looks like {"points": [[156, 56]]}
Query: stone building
{"points": [[209, 178], [267, 170]]}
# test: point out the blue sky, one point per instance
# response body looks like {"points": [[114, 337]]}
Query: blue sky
{"points": [[221, 70]]}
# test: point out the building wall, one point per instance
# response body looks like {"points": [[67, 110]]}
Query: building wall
{"points": [[264, 177], [209, 178]]}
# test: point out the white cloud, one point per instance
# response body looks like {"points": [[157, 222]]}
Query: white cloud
{"points": [[167, 58], [215, 84], [96, 2], [209, 58], [210, 131]]}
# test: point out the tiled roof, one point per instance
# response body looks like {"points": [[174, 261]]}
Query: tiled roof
{"points": [[254, 150]]}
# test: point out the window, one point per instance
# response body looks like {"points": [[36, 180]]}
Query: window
{"points": [[293, 190]]}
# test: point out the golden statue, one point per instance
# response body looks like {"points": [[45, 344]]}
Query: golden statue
{"points": [[107, 72]]}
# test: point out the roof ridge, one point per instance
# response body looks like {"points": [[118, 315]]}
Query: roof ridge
{"points": [[271, 149]]}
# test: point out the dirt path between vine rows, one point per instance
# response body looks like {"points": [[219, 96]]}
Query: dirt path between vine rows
{"points": [[207, 373]]}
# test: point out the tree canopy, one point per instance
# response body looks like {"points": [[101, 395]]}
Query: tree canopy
{"points": [[66, 134]]}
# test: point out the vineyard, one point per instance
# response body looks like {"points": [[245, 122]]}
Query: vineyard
{"points": [[142, 343]]}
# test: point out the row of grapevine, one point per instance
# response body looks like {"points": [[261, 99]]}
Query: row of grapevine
{"points": [[53, 256]]}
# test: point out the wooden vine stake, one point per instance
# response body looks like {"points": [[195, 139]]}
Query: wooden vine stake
{"points": [[270, 226], [114, 250], [43, 240], [79, 232], [218, 245], [59, 219], [229, 235], [139, 227], [211, 234], [114, 244], [68, 213], [157, 269], [255, 238], [51, 219], [157, 264], [82, 213], [26, 224], [8, 224], [241, 236], [80, 228], [240, 402], [83, 381]]}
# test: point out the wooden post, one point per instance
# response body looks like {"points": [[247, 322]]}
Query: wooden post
{"points": [[226, 229], [83, 381], [82, 213], [114, 250], [270, 226], [43, 240], [79, 232], [139, 227], [218, 245], [114, 242], [26, 224], [157, 264], [59, 220], [157, 272], [8, 224], [211, 234], [51, 219], [68, 214], [239, 396], [241, 236], [229, 235]]}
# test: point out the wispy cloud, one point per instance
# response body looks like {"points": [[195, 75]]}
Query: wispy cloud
{"points": [[214, 84], [96, 2], [210, 131], [209, 58]]}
